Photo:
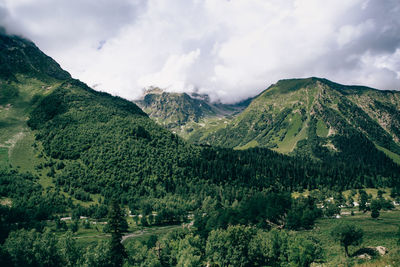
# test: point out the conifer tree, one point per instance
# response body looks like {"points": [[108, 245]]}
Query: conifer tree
{"points": [[117, 226]]}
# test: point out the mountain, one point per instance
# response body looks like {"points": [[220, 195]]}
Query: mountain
{"points": [[183, 113], [26, 74], [174, 109], [67, 150], [315, 117], [21, 56], [87, 143]]}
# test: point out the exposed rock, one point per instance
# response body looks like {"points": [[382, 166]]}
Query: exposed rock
{"points": [[364, 256], [382, 250]]}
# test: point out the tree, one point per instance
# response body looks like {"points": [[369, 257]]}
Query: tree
{"points": [[98, 255], [380, 193], [331, 210], [74, 226], [30, 248], [19, 245], [269, 248], [189, 251], [375, 208], [68, 250], [61, 225], [230, 247], [339, 199], [363, 200], [302, 251], [347, 235], [117, 225]]}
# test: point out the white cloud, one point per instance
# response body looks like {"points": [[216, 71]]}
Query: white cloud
{"points": [[229, 49], [173, 74]]}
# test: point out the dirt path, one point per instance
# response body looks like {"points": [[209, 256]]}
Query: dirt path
{"points": [[150, 231]]}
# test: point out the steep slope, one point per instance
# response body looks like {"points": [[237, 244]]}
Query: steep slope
{"points": [[183, 113], [21, 56], [26, 74], [316, 117], [174, 109]]}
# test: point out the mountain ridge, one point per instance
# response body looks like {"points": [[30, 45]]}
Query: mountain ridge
{"points": [[279, 117], [180, 112]]}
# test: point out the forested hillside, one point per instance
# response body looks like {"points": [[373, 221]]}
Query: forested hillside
{"points": [[110, 146], [68, 150], [100, 144]]}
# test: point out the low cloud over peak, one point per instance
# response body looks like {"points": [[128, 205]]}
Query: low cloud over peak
{"points": [[228, 49]]}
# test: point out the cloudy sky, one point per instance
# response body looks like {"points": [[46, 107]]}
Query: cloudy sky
{"points": [[228, 49]]}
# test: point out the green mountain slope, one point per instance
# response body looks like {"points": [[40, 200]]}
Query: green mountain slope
{"points": [[26, 75], [315, 117]]}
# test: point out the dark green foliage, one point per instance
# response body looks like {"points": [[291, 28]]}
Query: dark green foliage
{"points": [[386, 204], [103, 144], [30, 207], [375, 208], [302, 214], [74, 226], [117, 225], [5, 259], [264, 209], [347, 235], [7, 93], [60, 224], [398, 236], [331, 209], [394, 123], [304, 251], [30, 248], [363, 200], [244, 246], [230, 247], [375, 132]]}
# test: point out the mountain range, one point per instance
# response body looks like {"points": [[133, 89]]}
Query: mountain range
{"points": [[80, 140], [312, 116], [230, 173]]}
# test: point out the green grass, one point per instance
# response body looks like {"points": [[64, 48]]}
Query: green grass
{"points": [[250, 144], [3, 156], [377, 232], [293, 135], [22, 154], [322, 129], [84, 237], [395, 157], [203, 128], [95, 233], [15, 135], [149, 231]]}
